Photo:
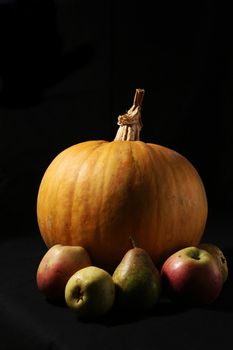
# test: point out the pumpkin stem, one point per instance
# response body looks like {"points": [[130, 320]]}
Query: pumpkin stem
{"points": [[130, 123]]}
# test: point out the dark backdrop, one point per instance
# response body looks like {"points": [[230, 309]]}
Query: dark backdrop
{"points": [[68, 68]]}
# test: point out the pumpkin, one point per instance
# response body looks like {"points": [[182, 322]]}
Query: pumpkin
{"points": [[97, 194]]}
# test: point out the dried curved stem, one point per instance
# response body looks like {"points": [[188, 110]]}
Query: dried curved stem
{"points": [[130, 123]]}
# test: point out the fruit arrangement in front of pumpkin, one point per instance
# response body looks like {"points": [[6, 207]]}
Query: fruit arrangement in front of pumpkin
{"points": [[94, 195], [192, 275]]}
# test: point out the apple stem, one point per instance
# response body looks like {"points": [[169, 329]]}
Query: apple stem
{"points": [[79, 294], [132, 241]]}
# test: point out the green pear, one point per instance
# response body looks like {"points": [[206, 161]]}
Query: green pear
{"points": [[90, 292], [137, 281]]}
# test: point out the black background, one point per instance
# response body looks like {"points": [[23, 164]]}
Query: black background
{"points": [[68, 68]]}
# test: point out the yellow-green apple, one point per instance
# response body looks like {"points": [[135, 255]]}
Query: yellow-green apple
{"points": [[219, 256], [90, 292], [58, 264], [191, 275]]}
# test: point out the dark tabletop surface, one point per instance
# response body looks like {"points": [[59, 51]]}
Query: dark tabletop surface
{"points": [[29, 321]]}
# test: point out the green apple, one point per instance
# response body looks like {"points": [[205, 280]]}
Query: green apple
{"points": [[90, 292], [58, 264]]}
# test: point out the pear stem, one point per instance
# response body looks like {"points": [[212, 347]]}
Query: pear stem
{"points": [[130, 123], [132, 241]]}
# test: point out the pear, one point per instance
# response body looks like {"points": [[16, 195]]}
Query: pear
{"points": [[137, 281], [219, 257], [90, 292]]}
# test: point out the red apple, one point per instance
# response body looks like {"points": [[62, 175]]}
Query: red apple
{"points": [[56, 267], [192, 275]]}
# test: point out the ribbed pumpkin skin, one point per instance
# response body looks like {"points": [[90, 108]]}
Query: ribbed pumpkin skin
{"points": [[96, 194]]}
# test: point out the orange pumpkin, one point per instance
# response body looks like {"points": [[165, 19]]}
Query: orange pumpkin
{"points": [[97, 194]]}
